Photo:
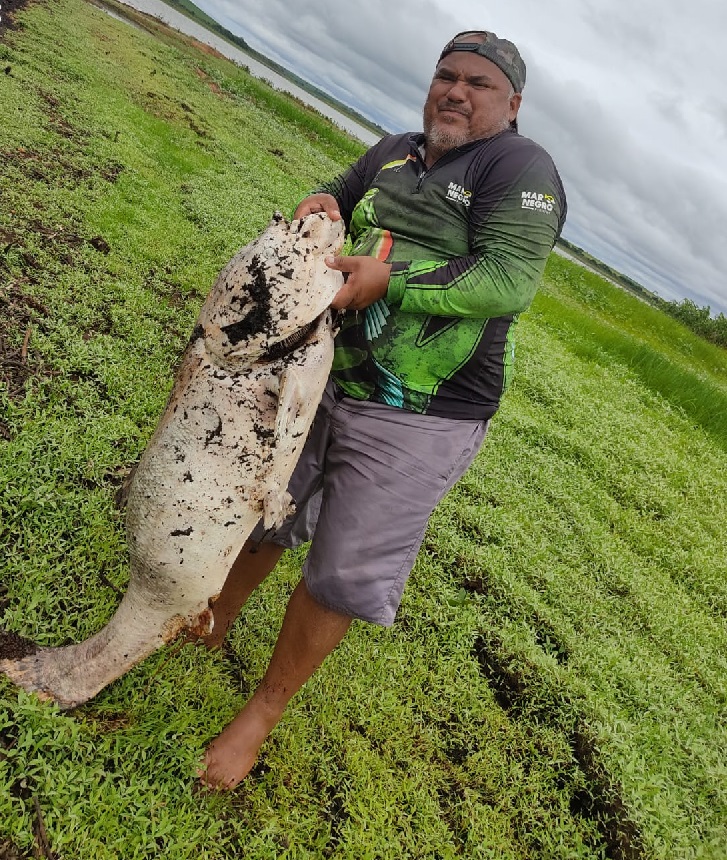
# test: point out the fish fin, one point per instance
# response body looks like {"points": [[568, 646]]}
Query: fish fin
{"points": [[277, 506], [291, 403], [290, 423]]}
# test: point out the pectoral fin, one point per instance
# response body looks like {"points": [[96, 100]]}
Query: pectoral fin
{"points": [[290, 424], [291, 404], [277, 505]]}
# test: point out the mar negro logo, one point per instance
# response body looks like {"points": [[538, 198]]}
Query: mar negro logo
{"points": [[538, 202], [458, 194]]}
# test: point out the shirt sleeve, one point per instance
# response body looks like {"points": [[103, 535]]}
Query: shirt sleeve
{"points": [[517, 211], [351, 185]]}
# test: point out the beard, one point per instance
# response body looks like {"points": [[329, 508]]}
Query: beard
{"points": [[444, 138]]}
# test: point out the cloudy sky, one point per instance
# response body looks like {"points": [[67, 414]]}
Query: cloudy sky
{"points": [[629, 99]]}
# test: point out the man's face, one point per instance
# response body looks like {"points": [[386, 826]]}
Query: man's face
{"points": [[469, 98]]}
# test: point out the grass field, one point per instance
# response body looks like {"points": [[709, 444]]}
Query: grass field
{"points": [[186, 7], [556, 683]]}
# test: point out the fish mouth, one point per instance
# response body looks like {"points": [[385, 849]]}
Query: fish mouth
{"points": [[284, 347]]}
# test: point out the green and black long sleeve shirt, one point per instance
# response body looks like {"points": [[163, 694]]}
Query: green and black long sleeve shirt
{"points": [[468, 239]]}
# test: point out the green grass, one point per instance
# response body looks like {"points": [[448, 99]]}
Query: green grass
{"points": [[604, 324], [196, 14], [556, 683]]}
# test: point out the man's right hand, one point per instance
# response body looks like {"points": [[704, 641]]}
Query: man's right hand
{"points": [[318, 203]]}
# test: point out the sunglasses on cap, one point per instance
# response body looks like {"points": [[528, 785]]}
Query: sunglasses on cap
{"points": [[501, 52], [460, 43]]}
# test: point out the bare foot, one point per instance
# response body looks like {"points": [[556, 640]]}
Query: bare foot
{"points": [[231, 755]]}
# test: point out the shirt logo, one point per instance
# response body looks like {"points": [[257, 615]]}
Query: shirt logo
{"points": [[539, 202], [398, 164], [458, 194]]}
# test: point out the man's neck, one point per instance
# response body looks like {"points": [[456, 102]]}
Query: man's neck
{"points": [[430, 154]]}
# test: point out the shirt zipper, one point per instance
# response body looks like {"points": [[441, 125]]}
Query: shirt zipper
{"points": [[429, 170]]}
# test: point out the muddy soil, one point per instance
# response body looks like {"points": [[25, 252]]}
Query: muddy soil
{"points": [[13, 647], [7, 17]]}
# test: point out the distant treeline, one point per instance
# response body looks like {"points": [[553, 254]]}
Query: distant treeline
{"points": [[699, 320], [188, 8], [196, 14]]}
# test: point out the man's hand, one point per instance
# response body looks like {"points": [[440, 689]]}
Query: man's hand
{"points": [[367, 281], [318, 203]]}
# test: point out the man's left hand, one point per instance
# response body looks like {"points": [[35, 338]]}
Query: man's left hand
{"points": [[367, 281]]}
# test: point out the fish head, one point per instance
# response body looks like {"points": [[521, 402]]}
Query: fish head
{"points": [[275, 293]]}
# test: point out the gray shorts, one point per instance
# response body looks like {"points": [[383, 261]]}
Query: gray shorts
{"points": [[368, 479]]}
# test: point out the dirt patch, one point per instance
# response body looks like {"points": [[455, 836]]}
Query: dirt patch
{"points": [[103, 722], [17, 364], [112, 171], [60, 242], [204, 48], [59, 123], [52, 167], [601, 801], [239, 671], [9, 851], [14, 647], [507, 679], [213, 85], [7, 22]]}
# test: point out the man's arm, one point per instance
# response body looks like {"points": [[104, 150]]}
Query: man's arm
{"points": [[517, 209], [510, 241], [367, 279], [517, 214]]}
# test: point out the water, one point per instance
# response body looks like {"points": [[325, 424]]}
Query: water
{"points": [[119, 17], [190, 28]]}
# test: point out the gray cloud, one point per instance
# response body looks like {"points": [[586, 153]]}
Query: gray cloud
{"points": [[628, 102], [718, 112], [334, 51], [646, 213], [621, 30]]}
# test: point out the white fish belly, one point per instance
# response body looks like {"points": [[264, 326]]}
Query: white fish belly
{"points": [[220, 458]]}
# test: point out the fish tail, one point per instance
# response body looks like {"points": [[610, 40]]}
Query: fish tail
{"points": [[71, 675]]}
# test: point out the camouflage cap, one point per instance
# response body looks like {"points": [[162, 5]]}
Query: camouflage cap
{"points": [[499, 51]]}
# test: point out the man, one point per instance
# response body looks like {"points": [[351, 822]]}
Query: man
{"points": [[451, 229]]}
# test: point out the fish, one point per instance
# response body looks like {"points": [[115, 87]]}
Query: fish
{"points": [[220, 459]]}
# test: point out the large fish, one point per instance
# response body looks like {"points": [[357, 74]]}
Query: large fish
{"points": [[220, 459]]}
